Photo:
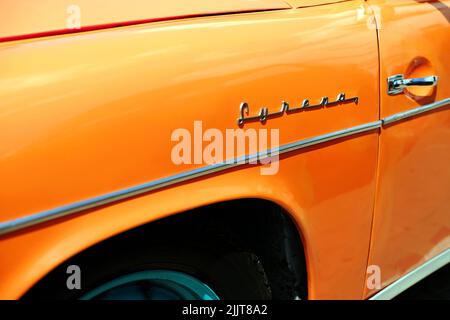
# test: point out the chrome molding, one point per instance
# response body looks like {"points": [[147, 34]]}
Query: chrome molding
{"points": [[34, 219], [37, 218], [329, 137], [416, 111], [413, 277]]}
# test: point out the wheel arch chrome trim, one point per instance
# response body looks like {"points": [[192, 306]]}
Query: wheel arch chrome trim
{"points": [[413, 277]]}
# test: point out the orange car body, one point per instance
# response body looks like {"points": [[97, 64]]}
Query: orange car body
{"points": [[87, 113]]}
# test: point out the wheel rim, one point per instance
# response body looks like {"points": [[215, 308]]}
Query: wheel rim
{"points": [[153, 285]]}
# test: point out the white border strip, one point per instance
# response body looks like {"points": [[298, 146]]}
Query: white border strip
{"points": [[413, 277]]}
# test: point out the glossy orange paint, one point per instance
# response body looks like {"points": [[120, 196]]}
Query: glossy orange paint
{"points": [[35, 18], [90, 113], [412, 216], [309, 3]]}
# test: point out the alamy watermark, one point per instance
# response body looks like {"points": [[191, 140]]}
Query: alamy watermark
{"points": [[73, 281], [213, 146], [73, 20], [373, 15], [373, 277]]}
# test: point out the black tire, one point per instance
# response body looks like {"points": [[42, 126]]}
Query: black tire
{"points": [[231, 275]]}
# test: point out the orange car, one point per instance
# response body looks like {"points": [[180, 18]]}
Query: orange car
{"points": [[239, 149]]}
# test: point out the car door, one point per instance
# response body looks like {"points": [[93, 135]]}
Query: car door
{"points": [[412, 212]]}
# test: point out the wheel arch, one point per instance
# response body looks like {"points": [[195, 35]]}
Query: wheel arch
{"points": [[272, 226]]}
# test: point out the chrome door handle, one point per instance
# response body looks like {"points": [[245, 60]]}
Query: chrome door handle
{"points": [[397, 83]]}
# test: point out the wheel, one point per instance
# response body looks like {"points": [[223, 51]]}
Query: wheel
{"points": [[192, 272], [153, 285]]}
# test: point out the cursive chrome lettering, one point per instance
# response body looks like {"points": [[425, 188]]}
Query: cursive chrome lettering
{"points": [[265, 115]]}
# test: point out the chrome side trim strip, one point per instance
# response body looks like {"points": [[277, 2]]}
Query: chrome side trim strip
{"points": [[413, 277], [416, 111], [329, 137], [34, 219]]}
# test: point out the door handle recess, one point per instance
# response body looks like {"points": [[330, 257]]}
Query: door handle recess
{"points": [[397, 83]]}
